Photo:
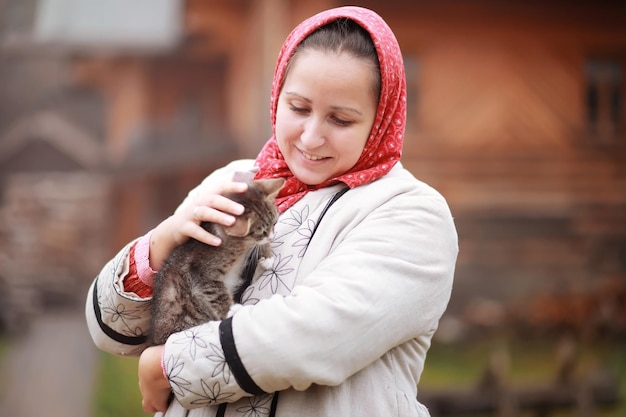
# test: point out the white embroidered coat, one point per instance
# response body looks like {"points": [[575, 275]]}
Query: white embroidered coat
{"points": [[339, 326]]}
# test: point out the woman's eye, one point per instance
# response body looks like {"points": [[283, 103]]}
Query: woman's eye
{"points": [[296, 109], [341, 122]]}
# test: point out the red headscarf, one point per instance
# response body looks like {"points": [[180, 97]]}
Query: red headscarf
{"points": [[384, 145]]}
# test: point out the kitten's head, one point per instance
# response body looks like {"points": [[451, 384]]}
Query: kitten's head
{"points": [[260, 214]]}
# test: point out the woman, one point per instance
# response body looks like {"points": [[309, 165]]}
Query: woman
{"points": [[341, 323]]}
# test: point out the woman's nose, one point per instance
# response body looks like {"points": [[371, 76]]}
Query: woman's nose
{"points": [[312, 133]]}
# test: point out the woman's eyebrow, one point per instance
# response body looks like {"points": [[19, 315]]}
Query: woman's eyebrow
{"points": [[348, 109], [341, 108], [291, 93]]}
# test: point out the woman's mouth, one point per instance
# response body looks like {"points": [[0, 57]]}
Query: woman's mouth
{"points": [[311, 157]]}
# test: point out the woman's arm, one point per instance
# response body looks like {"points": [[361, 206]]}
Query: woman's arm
{"points": [[117, 320], [118, 316]]}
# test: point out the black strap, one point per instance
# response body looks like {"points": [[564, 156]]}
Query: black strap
{"points": [[330, 203], [274, 405], [227, 340], [253, 258], [118, 337]]}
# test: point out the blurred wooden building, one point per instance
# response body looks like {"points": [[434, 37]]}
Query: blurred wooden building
{"points": [[516, 114]]}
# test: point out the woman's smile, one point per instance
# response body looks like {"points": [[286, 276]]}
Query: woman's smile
{"points": [[311, 157]]}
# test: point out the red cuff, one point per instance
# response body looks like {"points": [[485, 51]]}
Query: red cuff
{"points": [[132, 282], [142, 259]]}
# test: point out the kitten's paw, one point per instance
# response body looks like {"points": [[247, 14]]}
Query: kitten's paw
{"points": [[266, 263], [233, 309]]}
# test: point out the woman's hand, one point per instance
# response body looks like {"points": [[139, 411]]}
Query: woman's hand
{"points": [[209, 206], [154, 387]]}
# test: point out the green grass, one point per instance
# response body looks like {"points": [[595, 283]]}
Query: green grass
{"points": [[117, 390], [530, 363], [5, 343], [4, 347]]}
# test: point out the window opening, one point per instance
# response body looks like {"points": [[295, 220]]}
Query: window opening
{"points": [[605, 99]]}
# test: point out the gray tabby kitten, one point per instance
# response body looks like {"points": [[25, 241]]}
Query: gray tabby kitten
{"points": [[197, 282]]}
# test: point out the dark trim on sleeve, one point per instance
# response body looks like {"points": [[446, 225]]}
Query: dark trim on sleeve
{"points": [[234, 361], [118, 337]]}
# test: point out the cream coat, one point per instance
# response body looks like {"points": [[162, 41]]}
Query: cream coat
{"points": [[338, 326]]}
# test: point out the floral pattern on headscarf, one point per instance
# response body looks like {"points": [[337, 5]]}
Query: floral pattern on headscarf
{"points": [[383, 148]]}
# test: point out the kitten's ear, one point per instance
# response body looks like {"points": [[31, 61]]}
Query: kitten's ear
{"points": [[241, 227], [243, 176], [271, 186]]}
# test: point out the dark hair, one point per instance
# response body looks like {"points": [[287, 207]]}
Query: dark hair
{"points": [[343, 35]]}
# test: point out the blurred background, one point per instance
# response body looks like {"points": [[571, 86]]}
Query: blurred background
{"points": [[110, 111]]}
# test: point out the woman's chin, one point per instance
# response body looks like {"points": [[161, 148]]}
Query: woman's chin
{"points": [[308, 178]]}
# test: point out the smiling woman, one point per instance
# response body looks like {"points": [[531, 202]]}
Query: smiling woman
{"points": [[322, 328]]}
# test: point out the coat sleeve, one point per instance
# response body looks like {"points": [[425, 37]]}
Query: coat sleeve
{"points": [[378, 276], [118, 321]]}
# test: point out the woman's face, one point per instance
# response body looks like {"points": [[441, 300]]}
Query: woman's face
{"points": [[324, 115]]}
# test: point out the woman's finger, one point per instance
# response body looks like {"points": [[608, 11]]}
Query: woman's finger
{"points": [[219, 203], [195, 231], [201, 213]]}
